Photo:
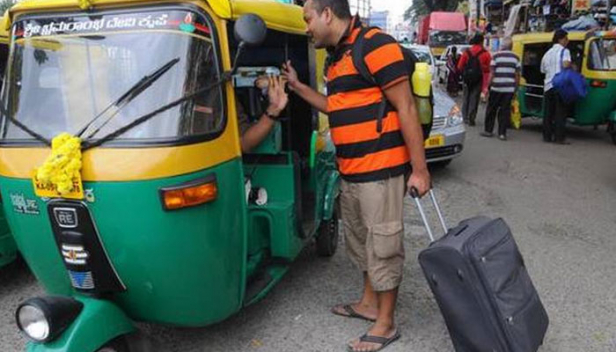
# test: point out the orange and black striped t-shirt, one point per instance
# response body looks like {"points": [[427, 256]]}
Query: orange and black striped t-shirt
{"points": [[364, 154]]}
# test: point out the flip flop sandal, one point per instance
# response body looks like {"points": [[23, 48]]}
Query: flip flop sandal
{"points": [[383, 341], [351, 313]]}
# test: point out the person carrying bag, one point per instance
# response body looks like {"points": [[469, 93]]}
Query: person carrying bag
{"points": [[569, 83]]}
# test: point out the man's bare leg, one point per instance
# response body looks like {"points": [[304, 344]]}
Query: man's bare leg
{"points": [[367, 306], [384, 325]]}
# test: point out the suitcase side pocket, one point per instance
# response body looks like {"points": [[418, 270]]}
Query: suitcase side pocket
{"points": [[455, 290], [509, 287], [527, 327]]}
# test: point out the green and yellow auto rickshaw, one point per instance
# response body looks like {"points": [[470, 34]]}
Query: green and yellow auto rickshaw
{"points": [[594, 55], [8, 250], [167, 222]]}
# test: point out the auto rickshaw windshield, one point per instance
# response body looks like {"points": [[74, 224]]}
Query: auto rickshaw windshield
{"points": [[65, 72], [602, 55]]}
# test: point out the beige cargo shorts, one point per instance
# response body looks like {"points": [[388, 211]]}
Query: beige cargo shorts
{"points": [[373, 228]]}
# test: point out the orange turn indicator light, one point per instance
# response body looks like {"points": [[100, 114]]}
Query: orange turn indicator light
{"points": [[189, 196]]}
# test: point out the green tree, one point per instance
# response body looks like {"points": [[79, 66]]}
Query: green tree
{"points": [[423, 7], [5, 5]]}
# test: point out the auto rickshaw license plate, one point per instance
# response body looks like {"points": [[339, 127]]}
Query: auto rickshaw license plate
{"points": [[435, 141], [48, 191]]}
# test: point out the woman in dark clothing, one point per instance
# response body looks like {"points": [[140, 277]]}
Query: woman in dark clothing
{"points": [[453, 78]]}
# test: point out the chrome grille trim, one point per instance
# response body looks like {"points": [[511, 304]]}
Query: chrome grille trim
{"points": [[439, 122]]}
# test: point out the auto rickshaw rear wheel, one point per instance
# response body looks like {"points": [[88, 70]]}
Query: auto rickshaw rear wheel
{"points": [[119, 344], [611, 129], [327, 238]]}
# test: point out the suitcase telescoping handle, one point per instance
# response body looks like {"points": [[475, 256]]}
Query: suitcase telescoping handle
{"points": [[416, 198]]}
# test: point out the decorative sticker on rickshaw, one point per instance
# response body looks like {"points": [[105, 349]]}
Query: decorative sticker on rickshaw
{"points": [[23, 205], [183, 21]]}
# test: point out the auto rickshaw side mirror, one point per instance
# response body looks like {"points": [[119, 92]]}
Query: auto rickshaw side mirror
{"points": [[250, 30]]}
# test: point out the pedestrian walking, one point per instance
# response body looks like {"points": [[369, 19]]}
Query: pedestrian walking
{"points": [[453, 77], [373, 162], [555, 111], [503, 82], [475, 68]]}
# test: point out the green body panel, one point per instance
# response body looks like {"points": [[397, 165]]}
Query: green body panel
{"points": [[99, 322], [276, 220], [184, 267], [525, 110], [327, 183], [595, 109], [8, 249], [188, 267], [612, 117], [276, 273], [32, 233]]}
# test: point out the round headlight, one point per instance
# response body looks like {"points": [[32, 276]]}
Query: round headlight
{"points": [[33, 322]]}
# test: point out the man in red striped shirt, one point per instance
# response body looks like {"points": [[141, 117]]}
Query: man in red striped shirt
{"points": [[373, 162]]}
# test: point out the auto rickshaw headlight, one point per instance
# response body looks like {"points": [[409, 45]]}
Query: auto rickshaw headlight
{"points": [[42, 319], [32, 321]]}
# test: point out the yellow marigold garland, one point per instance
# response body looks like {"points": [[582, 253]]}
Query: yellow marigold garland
{"points": [[63, 165], [84, 4]]}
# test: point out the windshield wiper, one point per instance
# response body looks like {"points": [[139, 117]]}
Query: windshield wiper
{"points": [[113, 135], [134, 91]]}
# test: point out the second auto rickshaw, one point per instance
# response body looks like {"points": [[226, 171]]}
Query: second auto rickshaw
{"points": [[594, 55]]}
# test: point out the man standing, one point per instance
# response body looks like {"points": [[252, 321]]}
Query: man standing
{"points": [[504, 80], [475, 68], [373, 163], [555, 108]]}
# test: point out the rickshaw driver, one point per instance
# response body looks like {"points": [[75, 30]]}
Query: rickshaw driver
{"points": [[373, 164], [252, 134]]}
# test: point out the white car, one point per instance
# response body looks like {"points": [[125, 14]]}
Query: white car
{"points": [[441, 63]]}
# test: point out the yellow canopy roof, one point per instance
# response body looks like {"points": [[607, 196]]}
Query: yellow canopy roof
{"points": [[279, 16], [4, 32]]}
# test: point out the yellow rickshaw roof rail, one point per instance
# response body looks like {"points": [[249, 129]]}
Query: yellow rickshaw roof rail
{"points": [[278, 16], [5, 24], [542, 37]]}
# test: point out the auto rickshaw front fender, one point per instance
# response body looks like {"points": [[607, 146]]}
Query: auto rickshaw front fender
{"points": [[332, 190], [99, 322]]}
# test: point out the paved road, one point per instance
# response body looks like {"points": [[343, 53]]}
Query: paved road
{"points": [[559, 201]]}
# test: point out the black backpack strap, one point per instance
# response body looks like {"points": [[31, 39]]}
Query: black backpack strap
{"points": [[360, 65]]}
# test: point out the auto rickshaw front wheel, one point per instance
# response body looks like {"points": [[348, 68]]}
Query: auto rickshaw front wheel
{"points": [[611, 129], [327, 238]]}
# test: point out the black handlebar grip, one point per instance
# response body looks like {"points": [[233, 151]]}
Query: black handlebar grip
{"points": [[414, 192]]}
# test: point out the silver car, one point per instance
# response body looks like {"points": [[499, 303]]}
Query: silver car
{"points": [[448, 133], [446, 140]]}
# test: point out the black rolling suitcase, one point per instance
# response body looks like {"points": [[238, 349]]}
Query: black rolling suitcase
{"points": [[479, 280]]}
